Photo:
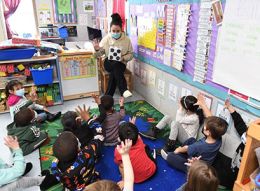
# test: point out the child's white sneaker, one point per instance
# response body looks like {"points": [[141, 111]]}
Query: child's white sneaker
{"points": [[127, 94]]}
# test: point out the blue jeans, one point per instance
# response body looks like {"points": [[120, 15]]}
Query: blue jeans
{"points": [[177, 160]]}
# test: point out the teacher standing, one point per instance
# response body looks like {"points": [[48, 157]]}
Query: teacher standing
{"points": [[116, 39]]}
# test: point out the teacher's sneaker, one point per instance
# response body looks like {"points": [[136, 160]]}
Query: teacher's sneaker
{"points": [[127, 94]]}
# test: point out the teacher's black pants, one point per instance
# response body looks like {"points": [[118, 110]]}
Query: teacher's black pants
{"points": [[116, 77]]}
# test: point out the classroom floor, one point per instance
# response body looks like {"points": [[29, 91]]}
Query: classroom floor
{"points": [[34, 157]]}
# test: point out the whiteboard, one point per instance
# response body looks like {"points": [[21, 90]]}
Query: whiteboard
{"points": [[237, 62]]}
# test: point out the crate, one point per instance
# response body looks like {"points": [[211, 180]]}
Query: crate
{"points": [[16, 54], [42, 76], [5, 80]]}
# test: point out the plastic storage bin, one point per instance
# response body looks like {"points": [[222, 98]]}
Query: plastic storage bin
{"points": [[63, 31], [16, 54], [42, 76]]}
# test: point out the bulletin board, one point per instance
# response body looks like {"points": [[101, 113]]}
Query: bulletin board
{"points": [[185, 43], [79, 76], [65, 11], [77, 67]]}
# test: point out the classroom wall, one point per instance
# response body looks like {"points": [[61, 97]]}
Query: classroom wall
{"points": [[81, 27], [168, 107]]}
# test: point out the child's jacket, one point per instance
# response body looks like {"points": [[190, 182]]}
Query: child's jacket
{"points": [[9, 174], [30, 137]]}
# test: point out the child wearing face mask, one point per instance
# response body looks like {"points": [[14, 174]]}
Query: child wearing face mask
{"points": [[116, 68], [16, 100]]}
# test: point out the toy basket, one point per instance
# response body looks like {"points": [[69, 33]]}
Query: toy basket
{"points": [[42, 76]]}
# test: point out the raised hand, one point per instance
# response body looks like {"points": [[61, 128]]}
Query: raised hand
{"points": [[96, 98], [200, 100], [132, 120], [229, 106], [124, 148], [192, 160], [11, 142], [83, 112]]}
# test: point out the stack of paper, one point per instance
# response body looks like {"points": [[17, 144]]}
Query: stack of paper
{"points": [[182, 22], [203, 41]]}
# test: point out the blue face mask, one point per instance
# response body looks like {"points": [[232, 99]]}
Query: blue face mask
{"points": [[20, 92], [116, 35]]}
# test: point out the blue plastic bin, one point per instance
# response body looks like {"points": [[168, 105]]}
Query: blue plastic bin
{"points": [[42, 77], [17, 54], [63, 31]]}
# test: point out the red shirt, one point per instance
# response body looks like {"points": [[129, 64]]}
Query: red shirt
{"points": [[143, 166]]}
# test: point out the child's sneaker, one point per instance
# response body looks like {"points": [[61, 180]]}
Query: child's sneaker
{"points": [[52, 117], [151, 133]]}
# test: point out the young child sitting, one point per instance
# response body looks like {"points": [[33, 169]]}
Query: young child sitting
{"points": [[188, 120], [206, 147], [144, 165], [75, 167], [128, 184], [73, 123], [201, 177], [16, 99], [112, 117], [27, 130], [12, 177]]}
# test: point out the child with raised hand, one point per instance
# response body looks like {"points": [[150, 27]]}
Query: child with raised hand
{"points": [[201, 177], [227, 168], [28, 132], [144, 165], [16, 100], [72, 122], [189, 117], [128, 183], [75, 166], [12, 177], [110, 117], [207, 147]]}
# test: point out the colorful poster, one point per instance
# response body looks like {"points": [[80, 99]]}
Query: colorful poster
{"points": [[76, 67], [64, 6], [44, 16], [170, 19], [147, 30], [161, 31], [88, 6]]}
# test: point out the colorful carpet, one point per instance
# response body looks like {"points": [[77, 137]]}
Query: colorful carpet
{"points": [[165, 179]]}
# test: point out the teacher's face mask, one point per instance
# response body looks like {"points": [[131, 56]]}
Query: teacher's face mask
{"points": [[116, 35]]}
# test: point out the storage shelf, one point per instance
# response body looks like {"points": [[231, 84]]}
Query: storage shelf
{"points": [[29, 60], [30, 83]]}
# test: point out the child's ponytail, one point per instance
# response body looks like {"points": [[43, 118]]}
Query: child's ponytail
{"points": [[188, 103]]}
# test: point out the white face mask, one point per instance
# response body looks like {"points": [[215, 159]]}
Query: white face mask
{"points": [[20, 92]]}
